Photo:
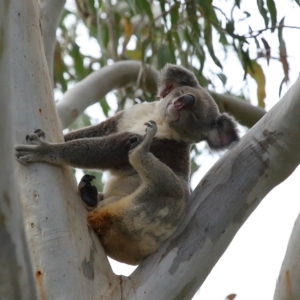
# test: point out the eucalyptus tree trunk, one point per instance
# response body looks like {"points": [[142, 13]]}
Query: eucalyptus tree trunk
{"points": [[16, 280], [67, 259]]}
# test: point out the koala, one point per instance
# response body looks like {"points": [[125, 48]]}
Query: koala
{"points": [[144, 200]]}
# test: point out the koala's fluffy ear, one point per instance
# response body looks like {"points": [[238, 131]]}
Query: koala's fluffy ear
{"points": [[172, 77], [222, 133]]}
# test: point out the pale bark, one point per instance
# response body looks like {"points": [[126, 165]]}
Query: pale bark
{"points": [[16, 280], [67, 259], [288, 287], [221, 203], [95, 86], [50, 12]]}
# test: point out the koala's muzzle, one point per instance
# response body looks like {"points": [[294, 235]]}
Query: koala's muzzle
{"points": [[184, 101]]}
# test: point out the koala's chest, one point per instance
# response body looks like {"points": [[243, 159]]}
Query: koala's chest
{"points": [[133, 120]]}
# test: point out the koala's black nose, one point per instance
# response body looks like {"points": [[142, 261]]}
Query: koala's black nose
{"points": [[185, 101]]}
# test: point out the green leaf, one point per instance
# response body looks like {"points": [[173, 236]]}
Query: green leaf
{"points": [[163, 10], [144, 5], [171, 48], [164, 56], [222, 77], [298, 2], [237, 3], [268, 50], [193, 18], [105, 107], [273, 12], [230, 27], [280, 86], [206, 7], [174, 13], [209, 44], [263, 11]]}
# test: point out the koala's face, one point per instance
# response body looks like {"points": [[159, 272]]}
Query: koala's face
{"points": [[191, 112]]}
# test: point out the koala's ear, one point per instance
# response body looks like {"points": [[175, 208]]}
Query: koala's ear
{"points": [[172, 77], [222, 133]]}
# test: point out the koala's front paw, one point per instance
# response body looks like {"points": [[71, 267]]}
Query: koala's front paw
{"points": [[145, 143], [32, 152]]}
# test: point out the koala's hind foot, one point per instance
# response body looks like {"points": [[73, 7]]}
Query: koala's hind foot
{"points": [[88, 192]]}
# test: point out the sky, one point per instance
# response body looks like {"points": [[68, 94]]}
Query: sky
{"points": [[251, 264]]}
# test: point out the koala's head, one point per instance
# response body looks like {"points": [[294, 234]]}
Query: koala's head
{"points": [[191, 111]]}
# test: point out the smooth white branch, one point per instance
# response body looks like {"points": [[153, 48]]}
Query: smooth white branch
{"points": [[96, 85]]}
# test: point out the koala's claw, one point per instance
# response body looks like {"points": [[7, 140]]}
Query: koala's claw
{"points": [[41, 133], [151, 127]]}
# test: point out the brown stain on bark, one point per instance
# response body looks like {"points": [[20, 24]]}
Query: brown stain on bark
{"points": [[74, 113], [40, 284], [289, 284]]}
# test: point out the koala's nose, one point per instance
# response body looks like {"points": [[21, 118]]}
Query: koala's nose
{"points": [[184, 101]]}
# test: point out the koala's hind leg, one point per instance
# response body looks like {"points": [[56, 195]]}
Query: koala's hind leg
{"points": [[88, 192], [157, 178]]}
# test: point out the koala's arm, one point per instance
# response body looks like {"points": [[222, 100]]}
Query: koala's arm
{"points": [[108, 152], [108, 127]]}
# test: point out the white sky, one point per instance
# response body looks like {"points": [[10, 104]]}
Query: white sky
{"points": [[251, 264]]}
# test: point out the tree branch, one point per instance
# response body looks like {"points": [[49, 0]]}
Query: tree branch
{"points": [[122, 73], [50, 13], [223, 200], [245, 113], [98, 84]]}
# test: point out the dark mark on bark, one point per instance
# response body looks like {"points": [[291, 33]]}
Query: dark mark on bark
{"points": [[88, 266]]}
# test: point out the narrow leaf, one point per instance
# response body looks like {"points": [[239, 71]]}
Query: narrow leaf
{"points": [[282, 51], [263, 11], [209, 44], [145, 6], [268, 50], [273, 12], [256, 72], [298, 2]]}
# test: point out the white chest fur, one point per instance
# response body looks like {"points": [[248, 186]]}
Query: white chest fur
{"points": [[134, 119]]}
